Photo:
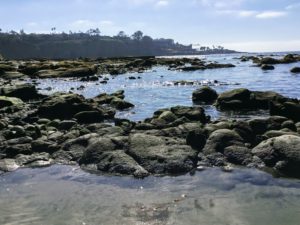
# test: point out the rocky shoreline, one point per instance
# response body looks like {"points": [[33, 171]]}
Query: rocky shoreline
{"points": [[38, 130]]}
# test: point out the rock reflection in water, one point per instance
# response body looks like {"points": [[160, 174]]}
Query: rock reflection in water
{"points": [[68, 195]]}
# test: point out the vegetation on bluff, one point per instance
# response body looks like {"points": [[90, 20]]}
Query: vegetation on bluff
{"points": [[91, 44]]}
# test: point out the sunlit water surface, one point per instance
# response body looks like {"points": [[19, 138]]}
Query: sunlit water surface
{"points": [[155, 90]]}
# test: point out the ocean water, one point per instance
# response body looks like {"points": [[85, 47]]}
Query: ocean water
{"points": [[63, 195], [155, 90]]}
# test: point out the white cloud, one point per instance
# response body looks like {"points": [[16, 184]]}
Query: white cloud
{"points": [[106, 23], [247, 13], [220, 3], [270, 14], [265, 46], [162, 3], [239, 13], [32, 24], [86, 24], [252, 13], [293, 6]]}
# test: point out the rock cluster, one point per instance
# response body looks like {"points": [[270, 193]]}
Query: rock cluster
{"points": [[38, 130], [67, 128]]}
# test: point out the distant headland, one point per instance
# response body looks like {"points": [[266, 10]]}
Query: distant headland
{"points": [[92, 44]]}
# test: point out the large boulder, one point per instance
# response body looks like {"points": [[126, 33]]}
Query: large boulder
{"points": [[239, 155], [269, 60], [289, 109], [282, 153], [205, 95], [161, 155], [89, 116], [106, 154], [235, 99], [66, 72], [262, 99], [9, 101], [191, 113], [23, 91], [242, 99], [220, 139], [262, 125], [63, 106]]}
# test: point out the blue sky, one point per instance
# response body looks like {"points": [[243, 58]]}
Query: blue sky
{"points": [[248, 25]]}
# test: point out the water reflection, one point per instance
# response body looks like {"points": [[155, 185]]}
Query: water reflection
{"points": [[68, 195]]}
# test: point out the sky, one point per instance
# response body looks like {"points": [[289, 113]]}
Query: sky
{"points": [[243, 25]]}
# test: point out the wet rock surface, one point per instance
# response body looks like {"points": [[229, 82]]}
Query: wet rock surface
{"points": [[38, 130]]}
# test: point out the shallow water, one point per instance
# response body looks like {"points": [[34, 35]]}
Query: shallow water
{"points": [[153, 91], [67, 195]]}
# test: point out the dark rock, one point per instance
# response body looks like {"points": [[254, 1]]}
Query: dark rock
{"points": [[243, 99], [277, 133], [63, 106], [23, 91], [191, 68], [267, 67], [116, 161], [196, 138], [220, 139], [260, 126], [89, 117], [191, 113], [161, 155], [262, 99], [269, 60], [289, 124], [205, 94], [44, 146], [9, 101], [218, 66], [287, 109], [168, 116], [295, 70], [234, 99], [282, 153], [66, 72], [66, 124], [239, 155], [12, 150], [120, 104]]}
